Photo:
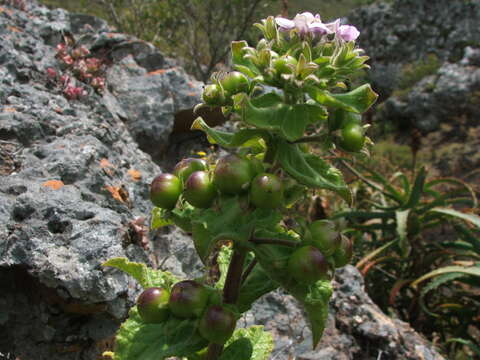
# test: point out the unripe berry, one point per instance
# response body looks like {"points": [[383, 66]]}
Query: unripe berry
{"points": [[186, 167], [199, 190], [234, 82], [324, 236], [217, 324], [308, 265], [266, 191], [233, 174], [152, 305], [188, 299], [165, 191]]}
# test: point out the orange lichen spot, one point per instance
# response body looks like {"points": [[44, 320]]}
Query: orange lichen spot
{"points": [[119, 193], [192, 94], [157, 72], [104, 163], [14, 29], [9, 109], [135, 174], [53, 184]]}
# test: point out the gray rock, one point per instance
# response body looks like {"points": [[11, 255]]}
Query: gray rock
{"points": [[356, 328]]}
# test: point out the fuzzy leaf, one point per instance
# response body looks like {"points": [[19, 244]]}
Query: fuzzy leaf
{"points": [[240, 138], [311, 170], [136, 340], [145, 276], [358, 100], [159, 218], [290, 121], [248, 344]]}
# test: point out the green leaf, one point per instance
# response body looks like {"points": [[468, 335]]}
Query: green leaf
{"points": [[475, 348], [435, 283], [223, 261], [401, 220], [314, 298], [290, 121], [241, 138], [357, 101], [316, 307], [311, 170], [417, 190], [248, 344], [237, 48], [146, 277], [159, 218], [469, 270], [257, 284], [472, 218], [136, 340]]}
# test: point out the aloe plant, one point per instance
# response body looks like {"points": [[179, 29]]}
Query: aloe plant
{"points": [[421, 239]]}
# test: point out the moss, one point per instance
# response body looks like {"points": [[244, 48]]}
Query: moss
{"points": [[412, 73]]}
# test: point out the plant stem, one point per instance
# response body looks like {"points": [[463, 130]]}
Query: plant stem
{"points": [[248, 270], [230, 293], [283, 242]]}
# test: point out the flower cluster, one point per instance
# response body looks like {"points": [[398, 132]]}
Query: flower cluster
{"points": [[79, 65], [307, 23]]}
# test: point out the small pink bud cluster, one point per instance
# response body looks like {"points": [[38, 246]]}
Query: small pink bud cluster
{"points": [[67, 84], [80, 65], [18, 4]]}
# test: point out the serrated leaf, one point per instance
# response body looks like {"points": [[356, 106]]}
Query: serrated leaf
{"points": [[472, 218], [417, 189], [252, 341], [238, 139], [311, 170], [255, 286], [435, 283], [314, 298], [316, 307], [467, 270], [358, 100], [146, 277], [223, 261], [289, 121], [159, 218], [136, 340]]}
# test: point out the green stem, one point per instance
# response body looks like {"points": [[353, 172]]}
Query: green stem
{"points": [[283, 242], [230, 293]]}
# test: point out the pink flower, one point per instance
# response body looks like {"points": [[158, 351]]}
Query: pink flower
{"points": [[305, 23], [67, 59], [51, 73], [344, 32], [348, 32]]}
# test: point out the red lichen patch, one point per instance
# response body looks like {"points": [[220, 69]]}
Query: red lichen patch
{"points": [[53, 184], [104, 163], [135, 174]]}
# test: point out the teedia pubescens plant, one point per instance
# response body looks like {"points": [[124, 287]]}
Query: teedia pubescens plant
{"points": [[286, 92]]}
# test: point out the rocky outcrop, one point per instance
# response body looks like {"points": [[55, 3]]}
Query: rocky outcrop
{"points": [[74, 178], [426, 66]]}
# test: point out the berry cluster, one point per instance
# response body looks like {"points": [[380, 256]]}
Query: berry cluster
{"points": [[189, 299], [232, 175], [78, 66]]}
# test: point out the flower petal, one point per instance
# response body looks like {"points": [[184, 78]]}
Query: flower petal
{"points": [[319, 28], [348, 32], [284, 24]]}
